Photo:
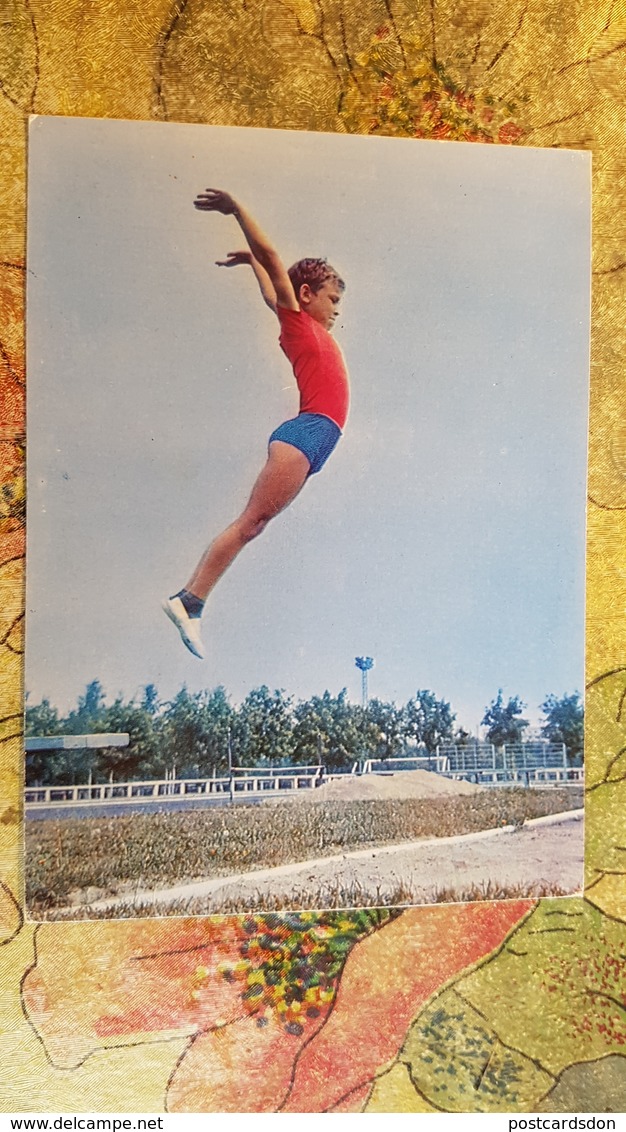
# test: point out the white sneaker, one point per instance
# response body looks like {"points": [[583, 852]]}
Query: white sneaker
{"points": [[188, 627]]}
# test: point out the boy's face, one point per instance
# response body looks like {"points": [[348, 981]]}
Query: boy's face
{"points": [[322, 305]]}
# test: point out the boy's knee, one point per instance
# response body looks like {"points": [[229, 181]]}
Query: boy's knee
{"points": [[252, 528]]}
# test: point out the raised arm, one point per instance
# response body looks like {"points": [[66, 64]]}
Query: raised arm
{"points": [[265, 254], [266, 287]]}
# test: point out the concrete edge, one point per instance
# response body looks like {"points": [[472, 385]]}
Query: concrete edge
{"points": [[555, 819]]}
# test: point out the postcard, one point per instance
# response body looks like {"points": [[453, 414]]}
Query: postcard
{"points": [[307, 435]]}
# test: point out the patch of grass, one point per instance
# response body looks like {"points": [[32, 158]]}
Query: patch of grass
{"points": [[327, 898], [151, 850]]}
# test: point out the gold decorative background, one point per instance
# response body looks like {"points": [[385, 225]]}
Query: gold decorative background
{"points": [[487, 1007]]}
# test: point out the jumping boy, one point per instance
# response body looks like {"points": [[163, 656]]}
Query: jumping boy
{"points": [[306, 300]]}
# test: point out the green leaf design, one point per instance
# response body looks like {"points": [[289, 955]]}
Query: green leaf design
{"points": [[605, 772], [503, 1036], [459, 1064]]}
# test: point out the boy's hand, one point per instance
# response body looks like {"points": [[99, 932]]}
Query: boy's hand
{"points": [[235, 259], [276, 286], [215, 200]]}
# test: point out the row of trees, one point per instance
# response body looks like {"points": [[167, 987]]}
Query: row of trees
{"points": [[197, 733]]}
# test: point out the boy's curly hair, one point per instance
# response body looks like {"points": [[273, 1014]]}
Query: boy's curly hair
{"points": [[315, 272]]}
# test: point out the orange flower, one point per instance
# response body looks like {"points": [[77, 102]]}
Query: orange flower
{"points": [[423, 98], [109, 983], [509, 133]]}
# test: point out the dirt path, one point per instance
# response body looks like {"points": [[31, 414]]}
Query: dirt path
{"points": [[544, 852]]}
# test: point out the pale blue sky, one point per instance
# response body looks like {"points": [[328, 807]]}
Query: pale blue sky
{"points": [[445, 537]]}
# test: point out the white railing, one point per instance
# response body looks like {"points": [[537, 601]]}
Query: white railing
{"points": [[269, 780], [558, 774], [437, 763], [244, 780], [539, 776]]}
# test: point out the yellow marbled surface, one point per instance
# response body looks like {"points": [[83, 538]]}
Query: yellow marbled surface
{"points": [[527, 72]]}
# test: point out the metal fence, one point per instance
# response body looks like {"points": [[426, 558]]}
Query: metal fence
{"points": [[533, 764]]}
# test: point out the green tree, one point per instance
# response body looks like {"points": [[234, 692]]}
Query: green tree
{"points": [[92, 716], [42, 767], [263, 729], [331, 730], [218, 717], [42, 719], [564, 722], [88, 716], [140, 759], [150, 699], [390, 723], [462, 737], [193, 733], [429, 721], [72, 766], [504, 721]]}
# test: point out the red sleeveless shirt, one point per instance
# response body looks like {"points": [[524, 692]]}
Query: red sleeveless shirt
{"points": [[318, 365]]}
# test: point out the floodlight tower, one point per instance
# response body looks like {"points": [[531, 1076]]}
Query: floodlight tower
{"points": [[364, 663]]}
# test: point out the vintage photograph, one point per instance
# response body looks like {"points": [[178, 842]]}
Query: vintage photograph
{"points": [[307, 434]]}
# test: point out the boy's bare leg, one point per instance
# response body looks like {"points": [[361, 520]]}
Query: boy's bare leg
{"points": [[280, 481]]}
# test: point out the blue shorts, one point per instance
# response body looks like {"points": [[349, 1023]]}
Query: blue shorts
{"points": [[313, 434]]}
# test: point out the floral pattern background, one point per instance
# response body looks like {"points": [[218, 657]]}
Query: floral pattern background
{"points": [[489, 1007]]}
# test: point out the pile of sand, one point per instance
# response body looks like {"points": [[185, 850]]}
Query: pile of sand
{"points": [[399, 784]]}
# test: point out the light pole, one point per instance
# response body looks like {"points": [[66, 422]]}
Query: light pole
{"points": [[364, 663]]}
